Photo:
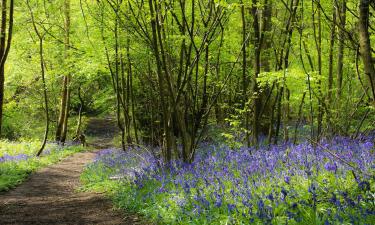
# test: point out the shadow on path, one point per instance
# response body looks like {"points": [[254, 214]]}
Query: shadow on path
{"points": [[103, 130]]}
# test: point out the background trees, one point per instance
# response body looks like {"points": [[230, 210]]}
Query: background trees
{"points": [[179, 72]]}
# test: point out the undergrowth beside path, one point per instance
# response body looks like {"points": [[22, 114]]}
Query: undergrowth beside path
{"points": [[17, 160]]}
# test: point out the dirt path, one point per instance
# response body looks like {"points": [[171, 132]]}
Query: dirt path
{"points": [[49, 197]]}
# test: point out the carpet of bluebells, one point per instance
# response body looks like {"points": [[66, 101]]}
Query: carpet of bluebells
{"points": [[17, 160], [329, 183]]}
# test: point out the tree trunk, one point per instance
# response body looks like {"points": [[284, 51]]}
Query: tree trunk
{"points": [[257, 51], [80, 111], [45, 96], [5, 42], [62, 125], [161, 86], [318, 46], [365, 46], [244, 75], [130, 72], [42, 70], [330, 69], [341, 13], [63, 103]]}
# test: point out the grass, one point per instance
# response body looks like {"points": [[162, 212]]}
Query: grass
{"points": [[17, 160], [287, 184]]}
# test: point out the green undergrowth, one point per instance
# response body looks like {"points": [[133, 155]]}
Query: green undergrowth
{"points": [[17, 160], [120, 192]]}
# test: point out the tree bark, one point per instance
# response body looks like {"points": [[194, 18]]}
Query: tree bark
{"points": [[341, 13], [365, 46], [330, 70], [165, 117], [244, 74], [255, 89], [62, 125], [42, 70], [80, 111], [5, 42]]}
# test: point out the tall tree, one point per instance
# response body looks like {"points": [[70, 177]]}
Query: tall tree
{"points": [[365, 45], [256, 66], [42, 70], [62, 124], [330, 67], [245, 82], [341, 13], [318, 44], [5, 42]]}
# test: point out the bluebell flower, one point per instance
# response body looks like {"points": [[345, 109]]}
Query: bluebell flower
{"points": [[270, 197], [287, 179], [231, 208], [364, 185], [330, 167]]}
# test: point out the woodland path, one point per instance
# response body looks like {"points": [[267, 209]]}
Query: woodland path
{"points": [[49, 196]]}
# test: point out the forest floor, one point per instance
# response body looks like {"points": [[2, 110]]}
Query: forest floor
{"points": [[50, 195]]}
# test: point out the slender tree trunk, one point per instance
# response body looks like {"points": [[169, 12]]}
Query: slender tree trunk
{"points": [[218, 109], [161, 86], [62, 125], [42, 70], [5, 41], [266, 37], [120, 88], [132, 92], [272, 117], [257, 51], [244, 75], [80, 111], [122, 100], [365, 46], [60, 122], [318, 45], [330, 68], [67, 108], [127, 92], [278, 118], [2, 81], [341, 13], [45, 96], [67, 44], [299, 117], [331, 50], [286, 115]]}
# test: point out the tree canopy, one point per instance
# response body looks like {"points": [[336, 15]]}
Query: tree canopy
{"points": [[177, 73]]}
